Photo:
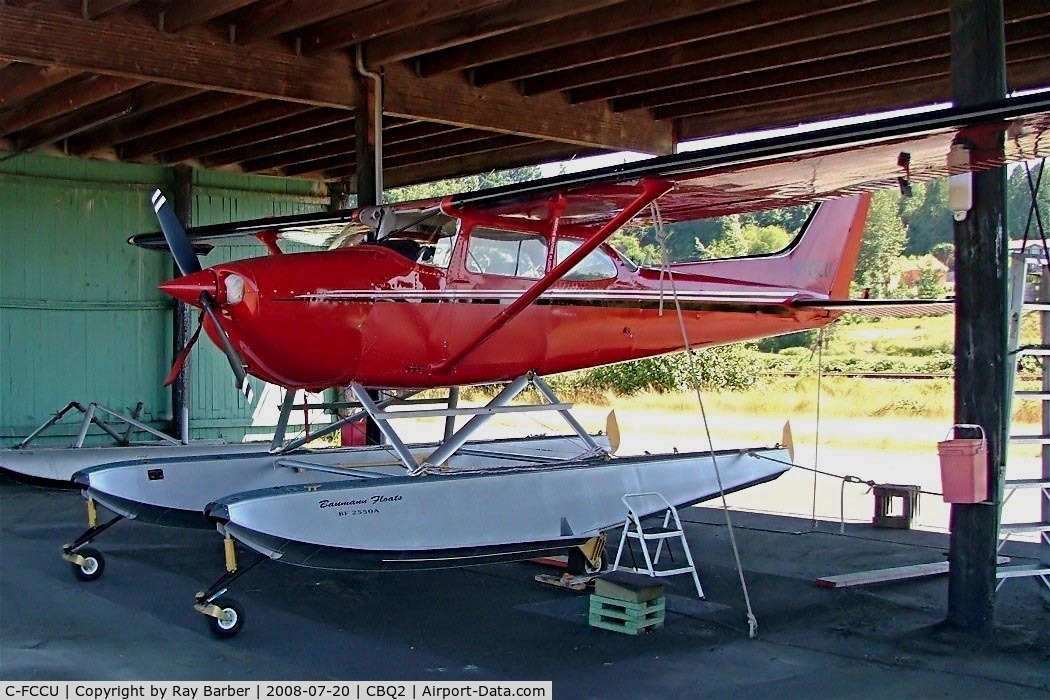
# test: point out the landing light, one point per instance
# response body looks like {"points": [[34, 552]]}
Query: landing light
{"points": [[234, 288]]}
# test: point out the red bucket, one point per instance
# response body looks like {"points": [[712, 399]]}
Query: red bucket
{"points": [[964, 468]]}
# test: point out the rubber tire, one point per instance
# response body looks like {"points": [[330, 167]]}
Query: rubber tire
{"points": [[222, 629], [93, 567], [579, 566]]}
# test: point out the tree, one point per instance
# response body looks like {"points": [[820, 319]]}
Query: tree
{"points": [[470, 183], [1019, 201], [883, 242]]}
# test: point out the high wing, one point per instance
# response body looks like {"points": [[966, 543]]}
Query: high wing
{"points": [[746, 177]]}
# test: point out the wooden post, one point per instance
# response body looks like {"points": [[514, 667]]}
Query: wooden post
{"points": [[978, 68], [183, 315]]}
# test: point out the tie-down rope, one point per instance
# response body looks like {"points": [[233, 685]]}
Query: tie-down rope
{"points": [[752, 621]]}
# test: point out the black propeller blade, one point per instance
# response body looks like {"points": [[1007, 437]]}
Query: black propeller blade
{"points": [[187, 262], [240, 377], [179, 243]]}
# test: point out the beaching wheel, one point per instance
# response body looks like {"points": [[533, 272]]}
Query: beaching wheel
{"points": [[579, 565], [93, 566], [231, 624]]}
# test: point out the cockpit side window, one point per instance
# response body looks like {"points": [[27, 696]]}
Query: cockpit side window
{"points": [[597, 265], [508, 253]]}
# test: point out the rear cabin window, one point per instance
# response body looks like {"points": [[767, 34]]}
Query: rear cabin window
{"points": [[596, 266], [508, 253]]}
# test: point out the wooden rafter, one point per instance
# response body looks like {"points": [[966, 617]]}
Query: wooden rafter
{"points": [[188, 12], [491, 21], [913, 93], [700, 28], [368, 22], [449, 100], [808, 65], [71, 95], [235, 120], [845, 81], [21, 80], [739, 40], [165, 107], [515, 157], [49, 38], [283, 16], [315, 126], [599, 23], [96, 9]]}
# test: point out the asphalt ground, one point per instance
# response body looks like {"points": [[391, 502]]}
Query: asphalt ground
{"points": [[497, 623]]}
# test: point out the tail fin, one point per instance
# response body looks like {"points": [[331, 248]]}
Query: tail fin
{"points": [[825, 256], [822, 260]]}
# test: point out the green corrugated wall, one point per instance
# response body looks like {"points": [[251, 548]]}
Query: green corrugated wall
{"points": [[80, 315]]}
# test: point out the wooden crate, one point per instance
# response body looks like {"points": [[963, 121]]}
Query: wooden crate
{"points": [[626, 617]]}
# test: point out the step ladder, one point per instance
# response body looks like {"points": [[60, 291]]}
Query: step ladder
{"points": [[638, 506], [1029, 292]]}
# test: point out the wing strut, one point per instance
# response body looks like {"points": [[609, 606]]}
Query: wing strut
{"points": [[650, 191]]}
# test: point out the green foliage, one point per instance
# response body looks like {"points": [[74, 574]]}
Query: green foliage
{"points": [[720, 368], [883, 242], [469, 183], [778, 343]]}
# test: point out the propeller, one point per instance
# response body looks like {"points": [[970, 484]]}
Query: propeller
{"points": [[186, 260]]}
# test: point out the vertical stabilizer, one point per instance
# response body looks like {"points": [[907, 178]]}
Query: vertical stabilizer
{"points": [[825, 257], [822, 259]]}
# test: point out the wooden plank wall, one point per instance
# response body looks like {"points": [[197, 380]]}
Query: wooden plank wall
{"points": [[80, 316]]}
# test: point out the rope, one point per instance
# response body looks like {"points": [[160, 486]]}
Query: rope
{"points": [[846, 479], [752, 621], [816, 432]]}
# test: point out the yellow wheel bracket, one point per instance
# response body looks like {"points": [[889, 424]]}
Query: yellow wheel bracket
{"points": [[231, 555]]}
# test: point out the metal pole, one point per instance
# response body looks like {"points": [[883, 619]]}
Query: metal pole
{"points": [[978, 73], [368, 144]]}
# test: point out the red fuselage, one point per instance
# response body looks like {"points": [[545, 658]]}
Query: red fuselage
{"points": [[389, 317]]}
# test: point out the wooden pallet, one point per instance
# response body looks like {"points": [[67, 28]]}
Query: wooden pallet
{"points": [[625, 616]]}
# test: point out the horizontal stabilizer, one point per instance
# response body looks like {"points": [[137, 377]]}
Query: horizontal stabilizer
{"points": [[882, 308]]}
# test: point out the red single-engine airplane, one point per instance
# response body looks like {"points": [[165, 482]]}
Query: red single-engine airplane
{"points": [[506, 285], [489, 286]]}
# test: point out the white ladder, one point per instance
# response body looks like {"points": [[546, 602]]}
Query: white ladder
{"points": [[1029, 291], [639, 505]]}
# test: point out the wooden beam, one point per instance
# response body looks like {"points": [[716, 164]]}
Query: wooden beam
{"points": [[670, 69], [449, 100], [627, 17], [62, 100], [188, 12], [393, 16], [519, 156], [152, 116], [21, 80], [276, 18], [1026, 40], [253, 115], [491, 21], [94, 9], [901, 95], [841, 81], [978, 76], [317, 126], [737, 39], [342, 145], [761, 20], [53, 38], [91, 116]]}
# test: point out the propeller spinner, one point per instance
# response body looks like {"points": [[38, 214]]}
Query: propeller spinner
{"points": [[188, 264]]}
